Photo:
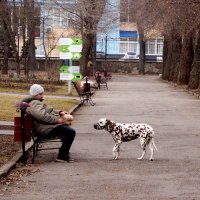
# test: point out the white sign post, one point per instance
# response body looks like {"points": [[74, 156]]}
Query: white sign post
{"points": [[69, 81], [70, 48]]}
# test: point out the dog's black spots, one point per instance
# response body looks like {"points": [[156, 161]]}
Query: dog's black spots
{"points": [[127, 139]]}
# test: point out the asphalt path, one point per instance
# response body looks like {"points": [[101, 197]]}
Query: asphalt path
{"points": [[174, 173]]}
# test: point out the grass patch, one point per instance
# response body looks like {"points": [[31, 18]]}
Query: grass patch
{"points": [[24, 88], [8, 109]]}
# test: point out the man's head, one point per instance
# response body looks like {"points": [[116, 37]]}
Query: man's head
{"points": [[37, 91]]}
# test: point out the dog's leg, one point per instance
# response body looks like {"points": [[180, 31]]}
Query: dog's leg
{"points": [[151, 147], [143, 154], [154, 145], [116, 150], [143, 145]]}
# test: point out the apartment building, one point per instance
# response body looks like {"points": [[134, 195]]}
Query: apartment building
{"points": [[117, 32], [122, 35]]}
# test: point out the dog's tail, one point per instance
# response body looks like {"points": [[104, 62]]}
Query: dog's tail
{"points": [[154, 145]]}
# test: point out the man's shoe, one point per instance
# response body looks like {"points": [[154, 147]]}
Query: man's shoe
{"points": [[66, 160]]}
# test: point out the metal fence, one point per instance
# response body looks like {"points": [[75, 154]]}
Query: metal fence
{"points": [[116, 48]]}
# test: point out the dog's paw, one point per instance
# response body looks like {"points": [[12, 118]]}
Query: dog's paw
{"points": [[150, 159]]}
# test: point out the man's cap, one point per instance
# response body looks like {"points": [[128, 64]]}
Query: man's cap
{"points": [[36, 89]]}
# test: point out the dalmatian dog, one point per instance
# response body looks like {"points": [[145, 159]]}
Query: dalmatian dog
{"points": [[123, 132]]}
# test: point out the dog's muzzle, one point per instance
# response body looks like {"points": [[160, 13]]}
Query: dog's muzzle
{"points": [[96, 126]]}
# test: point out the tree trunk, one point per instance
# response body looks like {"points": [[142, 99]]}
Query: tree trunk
{"points": [[176, 53], [194, 74], [31, 33], [5, 56], [186, 59], [142, 54], [89, 41], [165, 53]]}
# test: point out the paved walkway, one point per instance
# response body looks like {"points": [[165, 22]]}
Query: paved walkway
{"points": [[174, 174]]}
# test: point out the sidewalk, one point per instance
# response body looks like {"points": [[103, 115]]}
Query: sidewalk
{"points": [[6, 128], [174, 174]]}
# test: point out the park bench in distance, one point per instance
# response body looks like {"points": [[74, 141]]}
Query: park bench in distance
{"points": [[24, 129], [84, 92]]}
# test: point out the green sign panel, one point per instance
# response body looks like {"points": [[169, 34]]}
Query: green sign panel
{"points": [[77, 41], [70, 48], [71, 76], [77, 76], [64, 48], [70, 73], [64, 69]]}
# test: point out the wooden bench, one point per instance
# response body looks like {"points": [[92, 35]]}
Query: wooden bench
{"points": [[84, 92], [27, 131], [101, 80]]}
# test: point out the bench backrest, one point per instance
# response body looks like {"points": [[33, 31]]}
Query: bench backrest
{"points": [[77, 86], [25, 123]]}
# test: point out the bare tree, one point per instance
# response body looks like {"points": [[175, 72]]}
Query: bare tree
{"points": [[8, 13], [88, 14], [19, 16], [178, 20]]}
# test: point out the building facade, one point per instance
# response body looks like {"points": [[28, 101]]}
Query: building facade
{"points": [[122, 34], [116, 36]]}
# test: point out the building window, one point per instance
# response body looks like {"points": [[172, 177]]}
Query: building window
{"points": [[128, 46], [126, 7], [128, 41], [160, 47], [154, 47], [57, 18]]}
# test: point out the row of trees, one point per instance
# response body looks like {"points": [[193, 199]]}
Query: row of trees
{"points": [[178, 21], [10, 21]]}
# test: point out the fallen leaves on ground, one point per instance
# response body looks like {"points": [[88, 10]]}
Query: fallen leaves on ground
{"points": [[16, 176], [8, 148]]}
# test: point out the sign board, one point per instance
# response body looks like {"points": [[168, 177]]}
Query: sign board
{"points": [[70, 69], [70, 48], [70, 41], [72, 76], [70, 73], [70, 55]]}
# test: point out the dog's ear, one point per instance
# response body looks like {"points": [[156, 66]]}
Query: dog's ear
{"points": [[108, 121], [110, 125]]}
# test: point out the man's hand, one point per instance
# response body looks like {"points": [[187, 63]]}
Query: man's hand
{"points": [[63, 113], [60, 121]]}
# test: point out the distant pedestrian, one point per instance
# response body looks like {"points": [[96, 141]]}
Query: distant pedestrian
{"points": [[89, 67]]}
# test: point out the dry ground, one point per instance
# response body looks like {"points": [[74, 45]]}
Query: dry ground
{"points": [[8, 148]]}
